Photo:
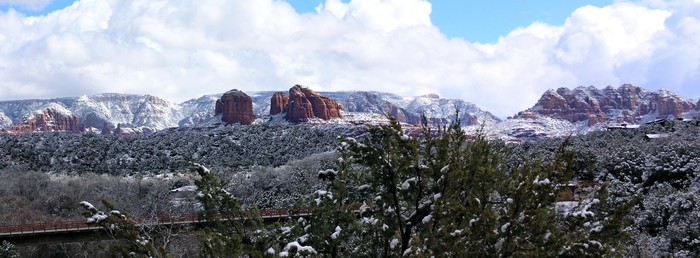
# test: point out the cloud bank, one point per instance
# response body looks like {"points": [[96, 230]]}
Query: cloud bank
{"points": [[34, 5], [187, 49]]}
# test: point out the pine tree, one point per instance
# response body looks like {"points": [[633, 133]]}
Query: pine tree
{"points": [[229, 229], [8, 250], [444, 194], [120, 227]]}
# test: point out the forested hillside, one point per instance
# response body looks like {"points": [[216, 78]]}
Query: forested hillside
{"points": [[657, 164], [166, 151], [654, 168]]}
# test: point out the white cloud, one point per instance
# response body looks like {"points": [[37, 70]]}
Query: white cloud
{"points": [[34, 5], [186, 49]]}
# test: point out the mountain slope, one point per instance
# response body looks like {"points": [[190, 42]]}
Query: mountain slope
{"points": [[581, 110], [143, 113], [558, 112], [97, 111], [363, 105], [625, 104], [409, 109]]}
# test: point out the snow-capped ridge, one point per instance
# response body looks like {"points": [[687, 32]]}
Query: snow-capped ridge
{"points": [[108, 112], [625, 104], [559, 112], [580, 110]]}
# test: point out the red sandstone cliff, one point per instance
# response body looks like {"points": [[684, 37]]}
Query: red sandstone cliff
{"points": [[49, 120], [626, 104], [304, 104], [322, 106], [235, 107], [299, 108], [278, 102]]}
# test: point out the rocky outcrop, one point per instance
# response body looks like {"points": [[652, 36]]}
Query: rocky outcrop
{"points": [[299, 108], [304, 104], [128, 130], [323, 107], [626, 104], [373, 102], [235, 107], [278, 102], [49, 120], [668, 104], [401, 114], [576, 105]]}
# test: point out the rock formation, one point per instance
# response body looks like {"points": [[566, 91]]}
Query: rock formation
{"points": [[49, 120], [278, 102], [304, 104], [402, 115], [235, 107], [299, 108], [372, 102], [668, 104], [626, 104], [322, 107], [128, 130]]}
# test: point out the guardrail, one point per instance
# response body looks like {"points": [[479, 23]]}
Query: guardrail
{"points": [[46, 227], [82, 225]]}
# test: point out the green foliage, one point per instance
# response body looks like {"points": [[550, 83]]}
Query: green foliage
{"points": [[230, 230], [120, 227], [231, 146], [442, 194], [8, 250], [658, 176]]}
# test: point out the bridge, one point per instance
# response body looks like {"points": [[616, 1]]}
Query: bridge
{"points": [[81, 231]]}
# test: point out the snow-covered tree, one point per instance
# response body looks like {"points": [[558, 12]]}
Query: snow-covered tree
{"points": [[120, 227], [8, 250], [444, 194], [229, 229]]}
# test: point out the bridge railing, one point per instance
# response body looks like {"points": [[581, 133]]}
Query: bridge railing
{"points": [[43, 227], [82, 224]]}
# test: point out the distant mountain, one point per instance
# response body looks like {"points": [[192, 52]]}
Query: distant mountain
{"points": [[409, 109], [625, 104], [359, 107], [90, 113], [127, 113], [369, 107], [558, 112], [567, 111], [197, 111]]}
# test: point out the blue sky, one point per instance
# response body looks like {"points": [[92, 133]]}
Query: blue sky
{"points": [[484, 21], [500, 55], [51, 6], [476, 21]]}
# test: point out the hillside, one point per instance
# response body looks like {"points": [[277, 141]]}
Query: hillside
{"points": [[165, 151]]}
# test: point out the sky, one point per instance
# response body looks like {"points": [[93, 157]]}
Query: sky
{"points": [[500, 55]]}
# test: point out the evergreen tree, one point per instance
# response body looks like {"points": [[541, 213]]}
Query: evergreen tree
{"points": [[119, 227], [230, 230], [445, 194], [8, 250]]}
